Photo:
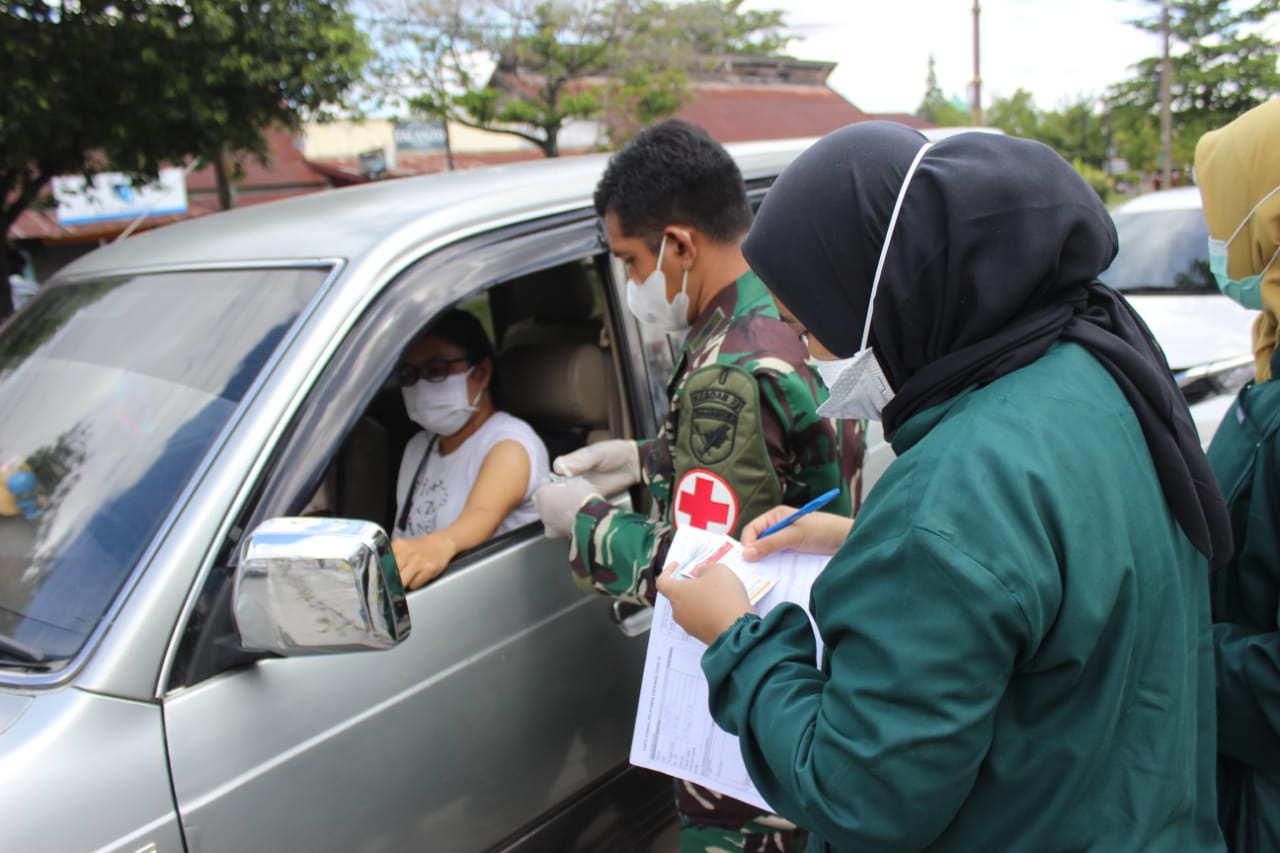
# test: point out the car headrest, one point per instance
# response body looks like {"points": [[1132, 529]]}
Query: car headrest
{"points": [[557, 295], [562, 384]]}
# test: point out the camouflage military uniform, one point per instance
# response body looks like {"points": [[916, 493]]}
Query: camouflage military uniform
{"points": [[725, 453]]}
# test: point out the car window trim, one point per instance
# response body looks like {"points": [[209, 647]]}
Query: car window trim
{"points": [[10, 678]]}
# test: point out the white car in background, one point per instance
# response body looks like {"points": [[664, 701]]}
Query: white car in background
{"points": [[1162, 268]]}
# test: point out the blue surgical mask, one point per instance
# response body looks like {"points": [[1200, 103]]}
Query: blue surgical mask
{"points": [[1248, 290]]}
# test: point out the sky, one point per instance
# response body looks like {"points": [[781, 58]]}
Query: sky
{"points": [[1059, 50]]}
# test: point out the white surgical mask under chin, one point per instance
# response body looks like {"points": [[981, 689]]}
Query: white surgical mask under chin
{"points": [[857, 385], [440, 407], [648, 301]]}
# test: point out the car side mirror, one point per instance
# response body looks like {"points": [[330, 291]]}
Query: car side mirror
{"points": [[314, 585]]}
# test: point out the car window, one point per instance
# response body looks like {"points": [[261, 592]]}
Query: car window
{"points": [[1161, 250], [113, 392], [341, 456]]}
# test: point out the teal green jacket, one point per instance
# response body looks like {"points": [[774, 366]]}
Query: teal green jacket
{"points": [[1017, 642], [1245, 456]]}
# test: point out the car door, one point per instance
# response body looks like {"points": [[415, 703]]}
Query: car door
{"points": [[514, 694]]}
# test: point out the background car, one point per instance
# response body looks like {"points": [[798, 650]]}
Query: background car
{"points": [[1162, 268]]}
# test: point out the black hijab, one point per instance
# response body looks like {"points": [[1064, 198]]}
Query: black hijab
{"points": [[994, 257]]}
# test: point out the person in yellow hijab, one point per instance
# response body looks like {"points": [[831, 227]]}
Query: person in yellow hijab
{"points": [[1238, 170]]}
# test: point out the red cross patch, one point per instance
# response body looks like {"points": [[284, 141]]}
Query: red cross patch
{"points": [[706, 501]]}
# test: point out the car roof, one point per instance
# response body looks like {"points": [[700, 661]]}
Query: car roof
{"points": [[353, 222], [1178, 198]]}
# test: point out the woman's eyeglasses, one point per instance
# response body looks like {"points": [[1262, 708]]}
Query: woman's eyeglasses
{"points": [[432, 370]]}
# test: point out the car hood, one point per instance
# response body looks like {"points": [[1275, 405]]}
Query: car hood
{"points": [[1196, 329]]}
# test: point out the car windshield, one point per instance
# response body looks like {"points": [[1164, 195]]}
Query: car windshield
{"points": [[111, 393], [1161, 251]]}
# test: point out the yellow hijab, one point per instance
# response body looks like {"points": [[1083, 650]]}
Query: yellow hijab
{"points": [[1237, 166]]}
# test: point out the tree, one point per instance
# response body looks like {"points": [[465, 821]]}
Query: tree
{"points": [[1075, 130], [1016, 115], [131, 85], [529, 67], [1135, 137], [1222, 67], [936, 107]]}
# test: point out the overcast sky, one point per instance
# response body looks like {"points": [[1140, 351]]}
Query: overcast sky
{"points": [[1056, 49]]}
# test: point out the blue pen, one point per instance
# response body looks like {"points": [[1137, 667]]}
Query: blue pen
{"points": [[817, 503]]}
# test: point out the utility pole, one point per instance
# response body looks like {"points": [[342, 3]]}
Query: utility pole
{"points": [[1166, 99], [975, 110]]}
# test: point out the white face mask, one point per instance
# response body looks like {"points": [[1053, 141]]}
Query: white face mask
{"points": [[858, 386], [648, 301], [440, 407]]}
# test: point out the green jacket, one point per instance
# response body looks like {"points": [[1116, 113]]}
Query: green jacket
{"points": [[782, 450], [1245, 455], [1017, 642]]}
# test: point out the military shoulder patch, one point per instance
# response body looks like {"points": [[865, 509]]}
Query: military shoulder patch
{"points": [[716, 402], [722, 465]]}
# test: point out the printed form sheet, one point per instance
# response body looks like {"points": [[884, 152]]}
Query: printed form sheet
{"points": [[674, 732]]}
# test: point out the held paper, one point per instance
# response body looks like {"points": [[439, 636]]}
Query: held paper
{"points": [[674, 732]]}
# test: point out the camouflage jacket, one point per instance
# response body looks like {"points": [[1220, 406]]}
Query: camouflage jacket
{"points": [[619, 552]]}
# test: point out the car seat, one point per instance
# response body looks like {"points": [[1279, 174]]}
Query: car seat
{"points": [[555, 368]]}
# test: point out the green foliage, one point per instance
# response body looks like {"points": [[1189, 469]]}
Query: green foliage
{"points": [[1100, 181], [556, 60], [935, 106], [1015, 115], [1136, 138], [1076, 131], [718, 27], [132, 85], [1222, 64]]}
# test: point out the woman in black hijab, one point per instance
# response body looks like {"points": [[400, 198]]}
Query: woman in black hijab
{"points": [[1016, 630]]}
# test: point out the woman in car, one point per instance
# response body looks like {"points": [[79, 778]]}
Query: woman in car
{"points": [[1016, 630], [1238, 171], [471, 473]]}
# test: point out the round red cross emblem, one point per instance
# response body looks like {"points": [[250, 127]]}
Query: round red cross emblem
{"points": [[705, 500]]}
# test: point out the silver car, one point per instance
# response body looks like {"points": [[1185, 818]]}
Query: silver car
{"points": [[203, 640]]}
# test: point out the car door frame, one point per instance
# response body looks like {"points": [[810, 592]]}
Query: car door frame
{"points": [[336, 400]]}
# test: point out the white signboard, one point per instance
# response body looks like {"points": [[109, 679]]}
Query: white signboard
{"points": [[112, 195], [420, 135]]}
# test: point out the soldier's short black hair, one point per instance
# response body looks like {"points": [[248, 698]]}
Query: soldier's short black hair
{"points": [[674, 172]]}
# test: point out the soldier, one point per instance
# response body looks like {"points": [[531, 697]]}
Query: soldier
{"points": [[742, 435]]}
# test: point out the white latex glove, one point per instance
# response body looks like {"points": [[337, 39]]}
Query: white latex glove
{"points": [[612, 465], [558, 503]]}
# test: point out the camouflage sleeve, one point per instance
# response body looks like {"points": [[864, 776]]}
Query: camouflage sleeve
{"points": [[811, 454], [619, 552], [615, 551]]}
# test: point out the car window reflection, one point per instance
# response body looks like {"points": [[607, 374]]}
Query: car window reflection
{"points": [[121, 387]]}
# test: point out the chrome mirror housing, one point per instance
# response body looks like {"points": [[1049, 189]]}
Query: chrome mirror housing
{"points": [[313, 585]]}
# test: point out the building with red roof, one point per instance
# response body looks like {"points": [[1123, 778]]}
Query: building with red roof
{"points": [[50, 244], [737, 99]]}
